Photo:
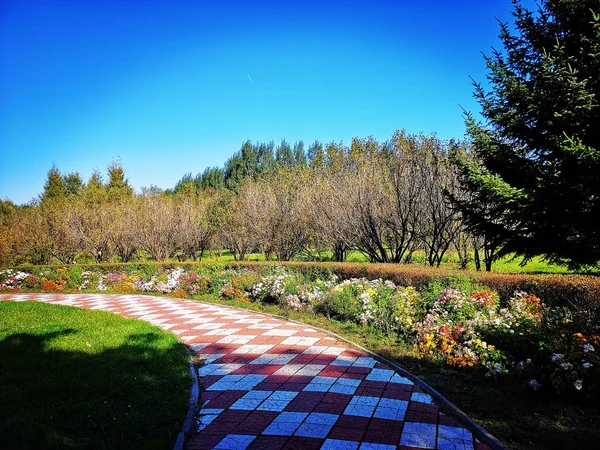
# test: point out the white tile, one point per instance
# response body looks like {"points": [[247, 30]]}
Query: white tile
{"points": [[401, 380], [222, 331], [343, 361], [208, 326], [252, 349], [334, 351], [285, 424], [417, 434], [315, 350], [339, 444], [364, 361], [236, 339], [289, 369], [300, 340], [380, 375], [310, 370], [218, 369], [235, 442], [279, 332], [376, 446], [273, 358], [421, 397]]}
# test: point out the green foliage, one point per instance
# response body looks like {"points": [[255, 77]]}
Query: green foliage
{"points": [[117, 186], [55, 186], [74, 184], [535, 174]]}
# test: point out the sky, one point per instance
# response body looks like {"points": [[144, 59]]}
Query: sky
{"points": [[171, 87]]}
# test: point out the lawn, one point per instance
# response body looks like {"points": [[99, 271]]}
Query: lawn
{"points": [[74, 378]]}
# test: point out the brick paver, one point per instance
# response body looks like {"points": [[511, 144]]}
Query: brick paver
{"points": [[267, 383]]}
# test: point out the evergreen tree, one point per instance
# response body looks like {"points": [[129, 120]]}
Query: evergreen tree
{"points": [[316, 156], [300, 154], [266, 158], [213, 177], [284, 155], [55, 187], [118, 185], [234, 172], [94, 191], [74, 183], [535, 177]]}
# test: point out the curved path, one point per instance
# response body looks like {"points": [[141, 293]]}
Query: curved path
{"points": [[268, 383]]}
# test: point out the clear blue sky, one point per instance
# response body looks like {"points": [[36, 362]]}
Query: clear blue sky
{"points": [[170, 87]]}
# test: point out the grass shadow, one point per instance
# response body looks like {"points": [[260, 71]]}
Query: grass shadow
{"points": [[131, 396]]}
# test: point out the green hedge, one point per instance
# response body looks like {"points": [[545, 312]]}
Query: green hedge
{"points": [[553, 289]]}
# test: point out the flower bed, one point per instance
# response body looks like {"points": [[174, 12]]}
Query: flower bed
{"points": [[453, 321]]}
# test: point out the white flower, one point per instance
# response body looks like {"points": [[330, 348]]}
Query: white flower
{"points": [[566, 366], [578, 384], [586, 365], [557, 357], [534, 384], [588, 348]]}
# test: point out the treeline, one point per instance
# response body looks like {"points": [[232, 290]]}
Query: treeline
{"points": [[386, 200]]}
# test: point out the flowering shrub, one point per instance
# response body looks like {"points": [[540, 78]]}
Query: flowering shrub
{"points": [[451, 330], [11, 279], [53, 285], [192, 283], [453, 321], [271, 288]]}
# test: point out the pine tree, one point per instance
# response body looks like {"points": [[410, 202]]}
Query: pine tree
{"points": [[74, 183], [118, 186], [55, 187], [534, 178]]}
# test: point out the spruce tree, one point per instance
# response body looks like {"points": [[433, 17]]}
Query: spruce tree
{"points": [[534, 177], [55, 186]]}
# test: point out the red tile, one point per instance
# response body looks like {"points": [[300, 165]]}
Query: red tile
{"points": [[350, 431], [360, 370], [303, 443], [330, 408], [218, 427], [292, 386], [303, 359], [205, 441], [449, 420], [226, 399], [268, 386], [384, 431], [323, 359], [256, 422], [268, 443], [305, 401], [333, 371], [277, 378]]}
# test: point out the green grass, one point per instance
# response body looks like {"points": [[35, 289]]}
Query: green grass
{"points": [[508, 264], [518, 416], [450, 261], [74, 378]]}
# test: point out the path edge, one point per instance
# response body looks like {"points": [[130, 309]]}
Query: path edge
{"points": [[188, 423]]}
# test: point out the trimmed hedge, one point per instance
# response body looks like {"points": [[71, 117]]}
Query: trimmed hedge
{"points": [[553, 289]]}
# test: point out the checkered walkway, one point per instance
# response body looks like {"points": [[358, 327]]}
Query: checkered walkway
{"points": [[268, 384]]}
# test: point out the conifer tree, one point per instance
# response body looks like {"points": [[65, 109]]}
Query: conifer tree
{"points": [[55, 187], [534, 178]]}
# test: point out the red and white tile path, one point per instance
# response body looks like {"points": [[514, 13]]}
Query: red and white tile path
{"points": [[268, 383]]}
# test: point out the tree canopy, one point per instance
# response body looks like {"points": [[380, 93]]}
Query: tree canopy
{"points": [[534, 175]]}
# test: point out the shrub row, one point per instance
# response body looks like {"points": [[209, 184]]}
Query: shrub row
{"points": [[554, 289]]}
